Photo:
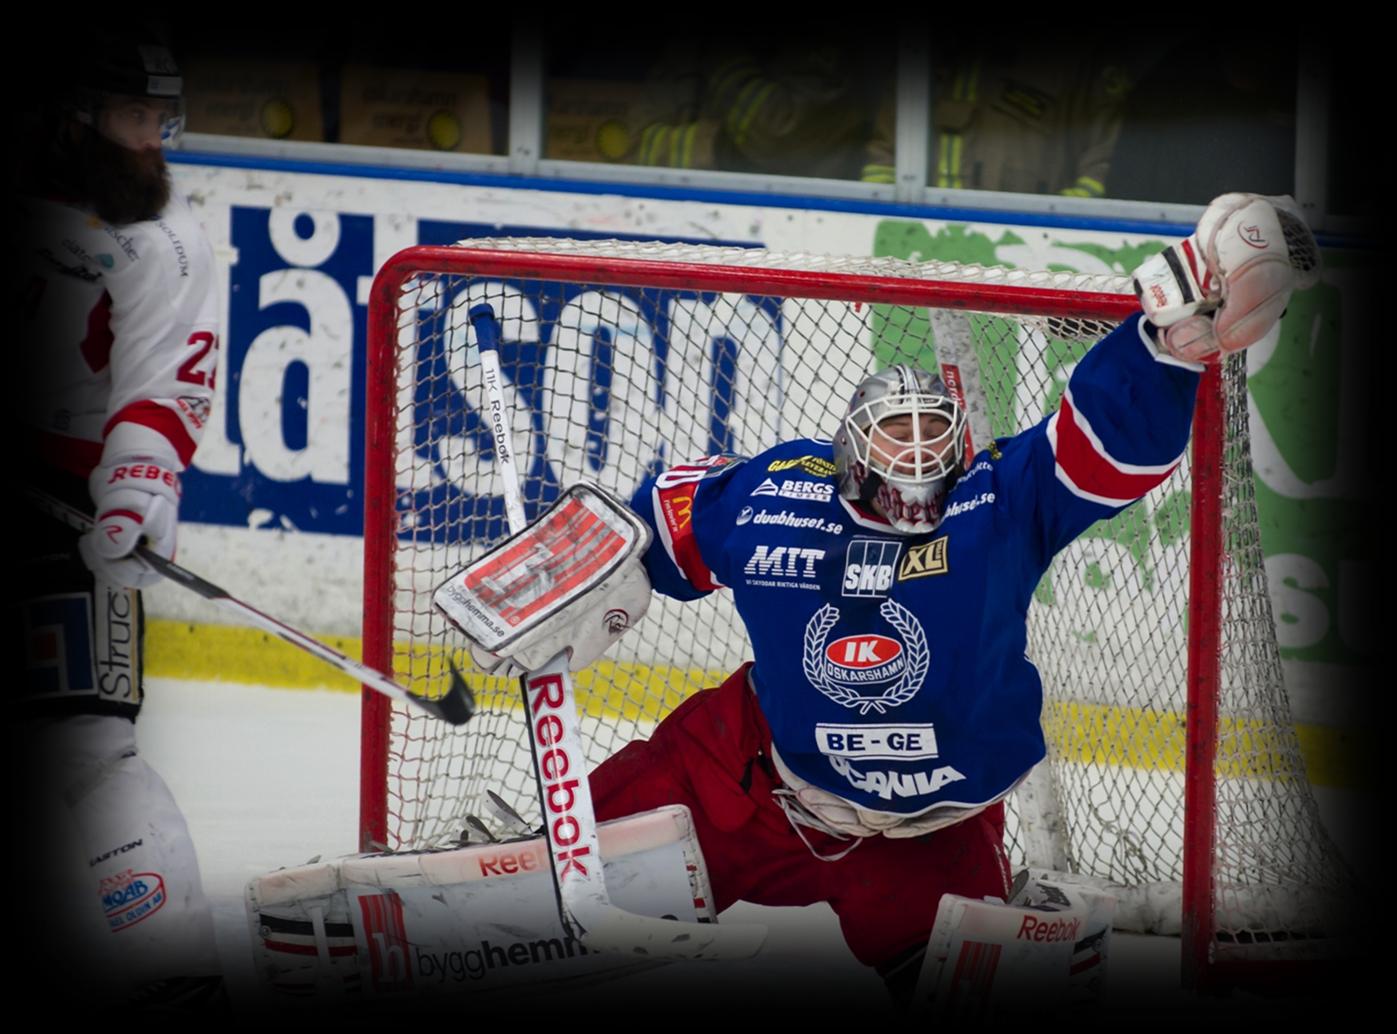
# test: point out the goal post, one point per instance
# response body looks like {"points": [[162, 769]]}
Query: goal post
{"points": [[1174, 774]]}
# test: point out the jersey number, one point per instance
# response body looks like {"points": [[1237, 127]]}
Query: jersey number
{"points": [[204, 341]]}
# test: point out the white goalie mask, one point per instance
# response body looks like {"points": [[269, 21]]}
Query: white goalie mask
{"points": [[901, 447]]}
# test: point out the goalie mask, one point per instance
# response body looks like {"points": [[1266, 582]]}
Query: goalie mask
{"points": [[901, 447]]}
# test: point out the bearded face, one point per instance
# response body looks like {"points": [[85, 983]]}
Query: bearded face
{"points": [[123, 185]]}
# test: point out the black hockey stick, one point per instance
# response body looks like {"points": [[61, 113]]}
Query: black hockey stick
{"points": [[456, 706]]}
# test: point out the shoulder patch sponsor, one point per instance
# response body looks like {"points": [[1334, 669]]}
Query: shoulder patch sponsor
{"points": [[816, 465], [677, 509], [980, 468], [924, 561], [808, 491], [177, 246], [127, 245], [674, 520], [966, 505]]}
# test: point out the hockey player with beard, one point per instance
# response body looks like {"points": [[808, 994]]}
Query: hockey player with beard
{"points": [[119, 350], [863, 757]]}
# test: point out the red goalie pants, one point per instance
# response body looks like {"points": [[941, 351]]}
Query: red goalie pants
{"points": [[713, 755]]}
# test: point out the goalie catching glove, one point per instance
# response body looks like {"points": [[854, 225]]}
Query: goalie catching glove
{"points": [[1224, 287], [573, 580]]}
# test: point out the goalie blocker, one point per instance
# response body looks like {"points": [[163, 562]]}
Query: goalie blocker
{"points": [[572, 580]]}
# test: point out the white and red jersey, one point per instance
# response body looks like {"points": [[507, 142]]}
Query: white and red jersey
{"points": [[122, 328]]}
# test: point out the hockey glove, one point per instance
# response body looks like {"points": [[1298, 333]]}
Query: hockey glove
{"points": [[137, 502], [1224, 287]]}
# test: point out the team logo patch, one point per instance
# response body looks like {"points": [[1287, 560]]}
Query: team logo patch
{"points": [[859, 653], [869, 566], [131, 897], [839, 669], [816, 465], [195, 410], [923, 561]]}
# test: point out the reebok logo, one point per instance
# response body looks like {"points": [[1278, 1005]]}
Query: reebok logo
{"points": [[1033, 929]]}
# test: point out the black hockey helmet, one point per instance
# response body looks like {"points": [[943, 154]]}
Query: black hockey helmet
{"points": [[135, 68]]}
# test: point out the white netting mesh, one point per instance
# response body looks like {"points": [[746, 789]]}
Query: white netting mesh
{"points": [[608, 383]]}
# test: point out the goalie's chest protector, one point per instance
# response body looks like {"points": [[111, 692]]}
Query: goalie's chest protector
{"points": [[891, 669]]}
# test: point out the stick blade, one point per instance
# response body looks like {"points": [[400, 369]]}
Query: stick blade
{"points": [[456, 706]]}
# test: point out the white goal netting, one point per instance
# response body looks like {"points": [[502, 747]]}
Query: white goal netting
{"points": [[610, 378]]}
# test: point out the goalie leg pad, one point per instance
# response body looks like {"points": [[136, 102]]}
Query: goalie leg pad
{"points": [[470, 918], [1044, 951]]}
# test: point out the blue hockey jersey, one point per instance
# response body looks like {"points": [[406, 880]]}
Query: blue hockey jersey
{"points": [[891, 668]]}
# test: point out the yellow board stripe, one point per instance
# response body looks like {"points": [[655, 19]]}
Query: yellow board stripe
{"points": [[1128, 737], [1090, 734]]}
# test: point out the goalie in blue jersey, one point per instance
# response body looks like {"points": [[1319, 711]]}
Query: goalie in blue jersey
{"points": [[862, 758]]}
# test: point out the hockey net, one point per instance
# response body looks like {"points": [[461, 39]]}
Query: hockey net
{"points": [[625, 357]]}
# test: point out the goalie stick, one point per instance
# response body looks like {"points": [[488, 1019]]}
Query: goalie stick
{"points": [[455, 707], [555, 739], [1039, 804]]}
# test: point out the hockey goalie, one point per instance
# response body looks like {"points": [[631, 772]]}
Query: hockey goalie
{"points": [[862, 757]]}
